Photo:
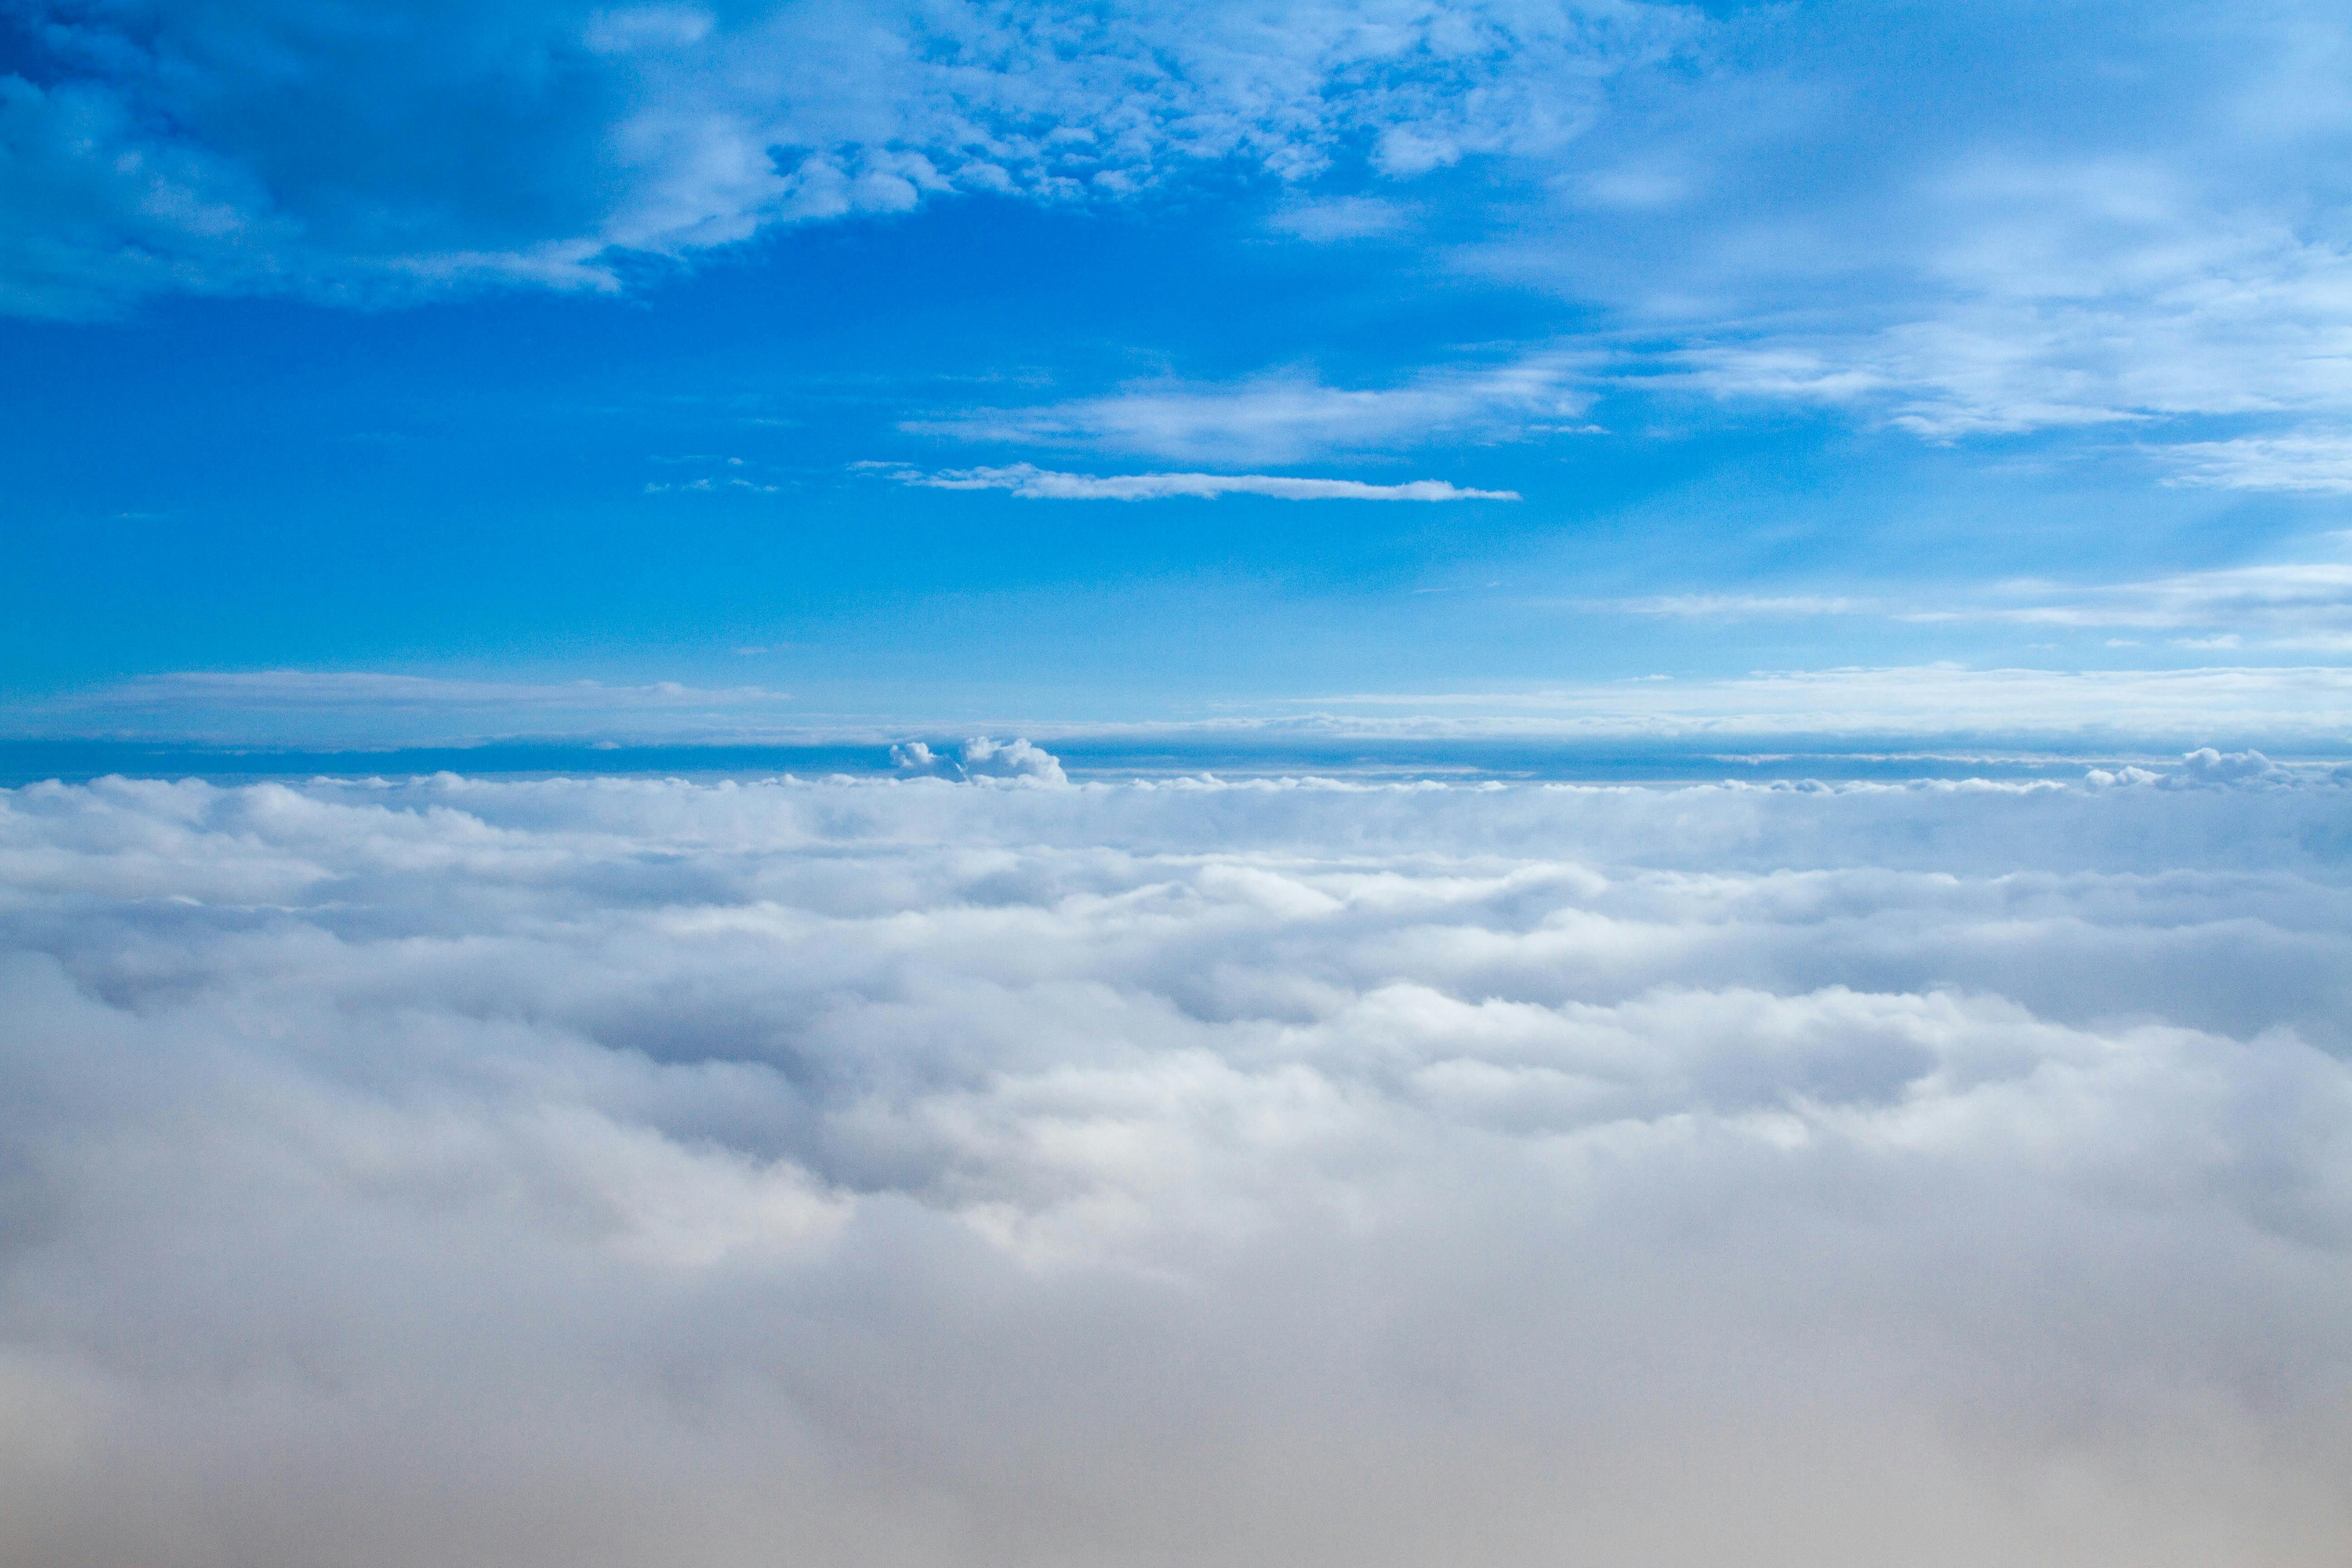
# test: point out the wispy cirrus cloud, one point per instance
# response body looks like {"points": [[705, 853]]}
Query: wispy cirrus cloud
{"points": [[1294, 416], [1738, 606], [1033, 483], [2306, 604], [273, 147], [2099, 226], [2282, 705], [369, 708], [2311, 462], [2283, 601]]}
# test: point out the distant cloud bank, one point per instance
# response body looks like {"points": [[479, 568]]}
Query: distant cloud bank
{"points": [[2304, 707]]}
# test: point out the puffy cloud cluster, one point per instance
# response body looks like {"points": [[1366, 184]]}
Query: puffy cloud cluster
{"points": [[979, 758], [627, 1171], [290, 143]]}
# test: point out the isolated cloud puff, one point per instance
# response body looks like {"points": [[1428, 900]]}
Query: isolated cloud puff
{"points": [[979, 758], [1033, 483], [619, 1171]]}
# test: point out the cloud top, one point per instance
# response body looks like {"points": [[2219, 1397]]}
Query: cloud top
{"points": [[979, 758], [608, 1170]]}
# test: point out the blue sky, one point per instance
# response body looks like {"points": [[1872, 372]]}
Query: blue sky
{"points": [[386, 375]]}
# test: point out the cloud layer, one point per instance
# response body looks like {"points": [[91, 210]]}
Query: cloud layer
{"points": [[620, 1171], [2303, 709]]}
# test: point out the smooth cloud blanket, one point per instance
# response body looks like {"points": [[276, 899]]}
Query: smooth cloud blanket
{"points": [[630, 1172]]}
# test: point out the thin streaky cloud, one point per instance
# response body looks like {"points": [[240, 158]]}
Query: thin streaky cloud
{"points": [[2304, 603], [2311, 462], [1294, 416], [1033, 483], [2303, 704], [1706, 606]]}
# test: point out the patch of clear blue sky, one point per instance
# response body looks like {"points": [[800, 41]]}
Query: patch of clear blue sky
{"points": [[497, 484], [225, 484]]}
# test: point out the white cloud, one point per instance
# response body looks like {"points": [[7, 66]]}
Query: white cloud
{"points": [[1334, 219], [2304, 604], [2291, 705], [1033, 483], [1294, 416], [2006, 221], [2286, 605], [1712, 606], [618, 1170], [979, 758], [2315, 462], [274, 147]]}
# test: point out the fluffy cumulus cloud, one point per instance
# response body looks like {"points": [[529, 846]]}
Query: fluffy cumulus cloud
{"points": [[630, 1172], [980, 758], [388, 148]]}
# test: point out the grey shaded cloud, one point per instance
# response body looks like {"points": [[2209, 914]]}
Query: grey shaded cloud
{"points": [[617, 1171]]}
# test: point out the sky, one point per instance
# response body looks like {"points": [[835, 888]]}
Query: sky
{"points": [[1328, 783], [431, 374]]}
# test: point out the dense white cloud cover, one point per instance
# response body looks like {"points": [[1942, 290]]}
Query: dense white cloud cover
{"points": [[1033, 483], [622, 1172]]}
